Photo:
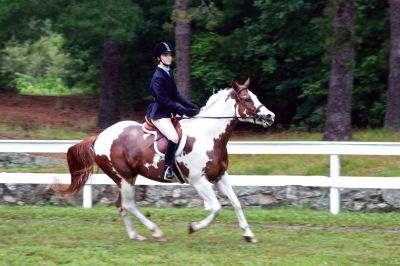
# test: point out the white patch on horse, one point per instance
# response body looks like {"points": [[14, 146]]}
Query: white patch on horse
{"points": [[104, 141], [204, 129], [145, 135], [156, 160]]}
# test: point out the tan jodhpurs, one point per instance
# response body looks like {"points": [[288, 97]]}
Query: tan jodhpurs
{"points": [[166, 127]]}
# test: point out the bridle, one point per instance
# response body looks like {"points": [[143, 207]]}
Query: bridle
{"points": [[255, 116], [243, 101]]}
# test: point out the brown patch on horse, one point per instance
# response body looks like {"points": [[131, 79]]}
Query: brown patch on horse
{"points": [[186, 150], [189, 145], [118, 203], [104, 163], [218, 156], [240, 94], [132, 151], [126, 151], [147, 168]]}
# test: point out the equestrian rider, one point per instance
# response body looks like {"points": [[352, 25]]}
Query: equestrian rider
{"points": [[167, 102]]}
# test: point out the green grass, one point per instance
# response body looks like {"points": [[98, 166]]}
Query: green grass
{"points": [[313, 165], [316, 164], [34, 131], [379, 135], [73, 236]]}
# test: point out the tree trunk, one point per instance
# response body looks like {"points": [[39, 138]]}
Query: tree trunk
{"points": [[183, 34], [110, 82], [392, 117], [338, 116]]}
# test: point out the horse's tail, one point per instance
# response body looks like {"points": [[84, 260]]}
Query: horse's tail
{"points": [[80, 159]]}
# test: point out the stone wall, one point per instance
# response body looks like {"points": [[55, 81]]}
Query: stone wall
{"points": [[185, 196]]}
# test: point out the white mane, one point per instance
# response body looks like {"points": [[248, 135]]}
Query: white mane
{"points": [[215, 98]]}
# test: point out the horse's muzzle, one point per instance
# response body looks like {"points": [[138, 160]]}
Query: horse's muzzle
{"points": [[266, 120]]}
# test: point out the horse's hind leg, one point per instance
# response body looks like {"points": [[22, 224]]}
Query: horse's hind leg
{"points": [[128, 203], [206, 191], [132, 233], [225, 187]]}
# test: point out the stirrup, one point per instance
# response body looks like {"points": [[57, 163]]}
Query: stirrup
{"points": [[168, 174]]}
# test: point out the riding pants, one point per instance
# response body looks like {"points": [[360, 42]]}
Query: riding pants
{"points": [[166, 128]]}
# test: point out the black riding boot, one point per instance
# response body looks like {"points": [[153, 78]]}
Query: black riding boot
{"points": [[169, 158]]}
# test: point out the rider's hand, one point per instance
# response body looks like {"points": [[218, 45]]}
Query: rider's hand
{"points": [[191, 112], [195, 107]]}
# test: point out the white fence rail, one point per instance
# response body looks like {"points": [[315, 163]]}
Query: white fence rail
{"points": [[334, 149]]}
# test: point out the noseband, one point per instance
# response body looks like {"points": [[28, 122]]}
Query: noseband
{"points": [[242, 101]]}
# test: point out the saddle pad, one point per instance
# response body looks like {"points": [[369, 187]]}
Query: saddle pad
{"points": [[161, 142]]}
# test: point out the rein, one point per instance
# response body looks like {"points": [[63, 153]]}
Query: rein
{"points": [[254, 117], [212, 117]]}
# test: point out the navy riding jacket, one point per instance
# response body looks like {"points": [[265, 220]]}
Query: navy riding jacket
{"points": [[167, 99]]}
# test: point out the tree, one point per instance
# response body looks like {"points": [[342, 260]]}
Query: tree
{"points": [[392, 117], [338, 115], [183, 34], [103, 26], [110, 82]]}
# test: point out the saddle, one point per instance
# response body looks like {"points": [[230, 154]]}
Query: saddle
{"points": [[161, 142]]}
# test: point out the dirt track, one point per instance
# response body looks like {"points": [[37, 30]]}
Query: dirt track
{"points": [[70, 111]]}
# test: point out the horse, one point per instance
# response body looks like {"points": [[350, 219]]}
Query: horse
{"points": [[124, 150]]}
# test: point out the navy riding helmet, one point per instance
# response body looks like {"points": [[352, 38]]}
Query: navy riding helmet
{"points": [[162, 48]]}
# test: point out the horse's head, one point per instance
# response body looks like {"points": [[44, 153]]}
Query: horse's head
{"points": [[248, 107]]}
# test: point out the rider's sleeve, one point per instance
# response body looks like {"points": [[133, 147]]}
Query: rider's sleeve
{"points": [[163, 98], [184, 101]]}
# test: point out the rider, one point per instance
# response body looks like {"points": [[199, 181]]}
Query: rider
{"points": [[167, 102]]}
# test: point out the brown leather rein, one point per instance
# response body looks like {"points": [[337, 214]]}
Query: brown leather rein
{"points": [[237, 93]]}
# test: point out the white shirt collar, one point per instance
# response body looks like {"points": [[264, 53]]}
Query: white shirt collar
{"points": [[165, 68]]}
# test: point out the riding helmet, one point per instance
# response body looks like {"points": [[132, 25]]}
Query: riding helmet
{"points": [[162, 48]]}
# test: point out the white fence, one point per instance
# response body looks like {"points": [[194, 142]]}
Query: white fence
{"points": [[334, 149]]}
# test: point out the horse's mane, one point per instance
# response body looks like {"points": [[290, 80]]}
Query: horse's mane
{"points": [[214, 98]]}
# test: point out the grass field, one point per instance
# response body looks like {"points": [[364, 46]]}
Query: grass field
{"points": [[74, 236]]}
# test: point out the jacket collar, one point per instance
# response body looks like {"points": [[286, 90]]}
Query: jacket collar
{"points": [[165, 73]]}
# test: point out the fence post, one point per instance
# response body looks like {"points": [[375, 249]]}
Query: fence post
{"points": [[87, 196], [335, 193]]}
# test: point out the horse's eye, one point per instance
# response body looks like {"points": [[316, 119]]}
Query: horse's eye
{"points": [[248, 100]]}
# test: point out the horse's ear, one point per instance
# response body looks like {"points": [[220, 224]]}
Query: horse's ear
{"points": [[235, 85], [247, 83]]}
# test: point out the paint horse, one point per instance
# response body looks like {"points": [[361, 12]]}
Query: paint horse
{"points": [[125, 150]]}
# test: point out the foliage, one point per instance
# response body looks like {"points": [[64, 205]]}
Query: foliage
{"points": [[29, 85], [371, 70], [209, 62], [284, 46], [39, 67], [101, 21]]}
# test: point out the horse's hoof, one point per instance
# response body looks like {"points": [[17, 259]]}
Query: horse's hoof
{"points": [[139, 238], [191, 227], [250, 239], [160, 239]]}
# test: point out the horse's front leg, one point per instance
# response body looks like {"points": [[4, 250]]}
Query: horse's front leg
{"points": [[225, 187], [205, 190]]}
